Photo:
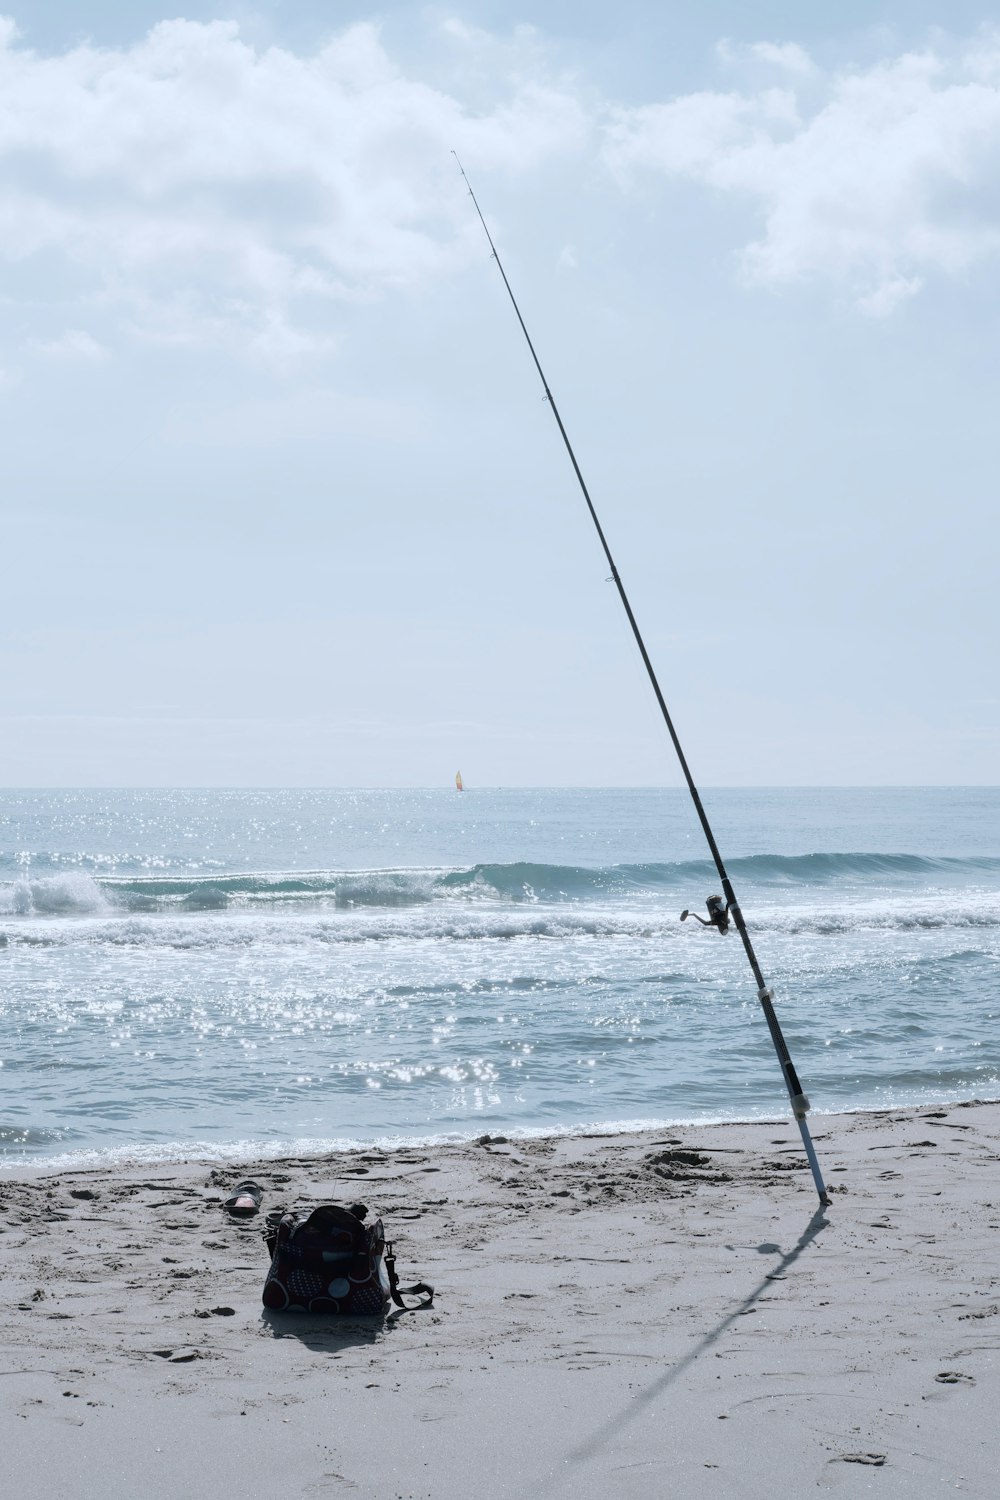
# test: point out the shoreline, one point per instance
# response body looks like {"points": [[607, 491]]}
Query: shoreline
{"points": [[632, 1314], [236, 1154]]}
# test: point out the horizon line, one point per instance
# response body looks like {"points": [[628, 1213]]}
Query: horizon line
{"points": [[448, 786]]}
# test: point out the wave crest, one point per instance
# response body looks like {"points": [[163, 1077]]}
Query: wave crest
{"points": [[862, 881], [53, 896]]}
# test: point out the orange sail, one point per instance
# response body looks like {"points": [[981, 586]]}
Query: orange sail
{"points": [[458, 781]]}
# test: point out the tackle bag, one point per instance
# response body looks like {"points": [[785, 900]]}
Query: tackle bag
{"points": [[328, 1261]]}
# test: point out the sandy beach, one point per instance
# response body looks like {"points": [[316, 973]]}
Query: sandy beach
{"points": [[653, 1314]]}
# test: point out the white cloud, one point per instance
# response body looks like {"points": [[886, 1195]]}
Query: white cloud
{"points": [[872, 179], [74, 344], [889, 294], [191, 174], [788, 56], [195, 189]]}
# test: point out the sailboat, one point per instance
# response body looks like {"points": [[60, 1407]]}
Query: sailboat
{"points": [[458, 782]]}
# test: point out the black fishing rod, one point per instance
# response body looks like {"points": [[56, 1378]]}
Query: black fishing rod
{"points": [[718, 915]]}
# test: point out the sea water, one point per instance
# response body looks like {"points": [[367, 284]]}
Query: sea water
{"points": [[215, 972]]}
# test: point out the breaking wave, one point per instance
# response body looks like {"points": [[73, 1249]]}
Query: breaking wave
{"points": [[199, 927], [80, 894], [54, 896]]}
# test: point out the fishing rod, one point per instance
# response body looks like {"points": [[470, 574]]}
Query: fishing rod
{"points": [[719, 916]]}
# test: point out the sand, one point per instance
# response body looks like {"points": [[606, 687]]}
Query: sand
{"points": [[664, 1314]]}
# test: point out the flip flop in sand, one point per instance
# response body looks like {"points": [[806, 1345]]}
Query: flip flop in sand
{"points": [[244, 1201]]}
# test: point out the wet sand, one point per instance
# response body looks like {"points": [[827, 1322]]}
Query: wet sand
{"points": [[664, 1314]]}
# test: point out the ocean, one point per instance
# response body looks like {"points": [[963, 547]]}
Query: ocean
{"points": [[222, 973]]}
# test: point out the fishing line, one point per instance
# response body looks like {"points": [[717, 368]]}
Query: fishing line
{"points": [[799, 1102]]}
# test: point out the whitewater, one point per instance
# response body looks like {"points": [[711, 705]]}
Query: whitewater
{"points": [[209, 972]]}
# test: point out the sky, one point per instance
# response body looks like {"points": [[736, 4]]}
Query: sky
{"points": [[282, 502]]}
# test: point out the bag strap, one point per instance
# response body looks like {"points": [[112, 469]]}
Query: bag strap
{"points": [[420, 1289]]}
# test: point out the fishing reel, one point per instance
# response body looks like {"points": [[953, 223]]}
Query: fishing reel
{"points": [[718, 915]]}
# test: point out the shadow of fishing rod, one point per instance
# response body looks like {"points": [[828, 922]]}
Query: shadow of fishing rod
{"points": [[612, 1428], [719, 914]]}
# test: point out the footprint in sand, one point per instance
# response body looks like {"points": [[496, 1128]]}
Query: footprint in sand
{"points": [[953, 1377]]}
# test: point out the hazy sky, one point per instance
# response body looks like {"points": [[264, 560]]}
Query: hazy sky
{"points": [[282, 503]]}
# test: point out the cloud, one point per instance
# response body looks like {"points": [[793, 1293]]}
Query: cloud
{"points": [[871, 179], [193, 189], [74, 344], [206, 187], [788, 56]]}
